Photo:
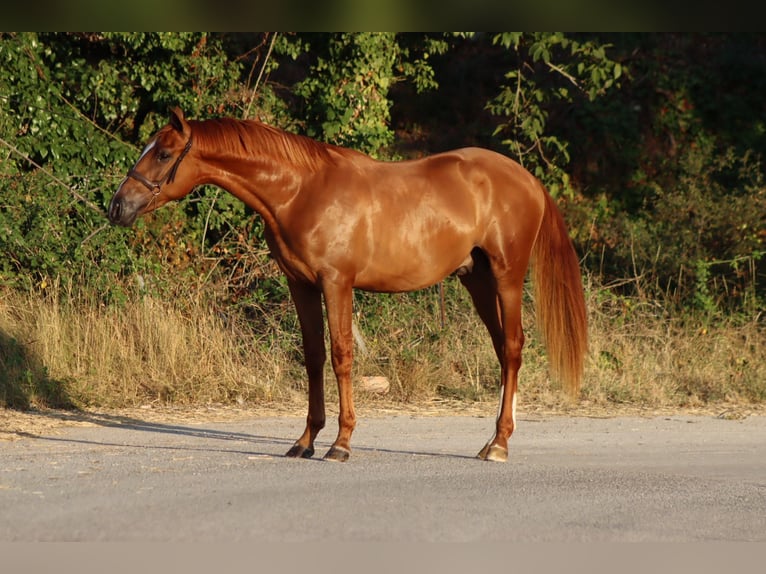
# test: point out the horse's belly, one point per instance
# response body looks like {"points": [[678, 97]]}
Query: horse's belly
{"points": [[412, 271]]}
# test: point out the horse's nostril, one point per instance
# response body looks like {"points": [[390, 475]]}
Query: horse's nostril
{"points": [[115, 209]]}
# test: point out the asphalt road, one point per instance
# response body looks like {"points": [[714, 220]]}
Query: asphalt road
{"points": [[680, 478]]}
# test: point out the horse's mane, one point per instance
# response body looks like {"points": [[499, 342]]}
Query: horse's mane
{"points": [[248, 138]]}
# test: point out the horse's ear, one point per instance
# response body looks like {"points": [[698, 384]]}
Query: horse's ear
{"points": [[177, 120]]}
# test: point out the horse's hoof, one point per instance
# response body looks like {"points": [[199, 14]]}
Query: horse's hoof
{"points": [[493, 453], [497, 454], [298, 451], [337, 454]]}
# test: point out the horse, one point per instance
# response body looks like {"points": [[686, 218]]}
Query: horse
{"points": [[338, 220]]}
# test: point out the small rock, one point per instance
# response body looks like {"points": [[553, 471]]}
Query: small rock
{"points": [[378, 385]]}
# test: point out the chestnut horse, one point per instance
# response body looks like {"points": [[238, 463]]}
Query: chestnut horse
{"points": [[336, 220]]}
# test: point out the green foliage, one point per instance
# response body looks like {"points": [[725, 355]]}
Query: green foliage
{"points": [[53, 236], [345, 93], [550, 72], [652, 143], [77, 105], [699, 243], [632, 133]]}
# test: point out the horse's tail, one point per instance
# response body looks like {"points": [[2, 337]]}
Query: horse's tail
{"points": [[559, 300]]}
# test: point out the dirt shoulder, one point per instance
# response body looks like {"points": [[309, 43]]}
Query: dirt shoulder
{"points": [[16, 424]]}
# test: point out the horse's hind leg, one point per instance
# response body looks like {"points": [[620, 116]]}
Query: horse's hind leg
{"points": [[498, 303], [308, 304], [482, 287], [509, 298]]}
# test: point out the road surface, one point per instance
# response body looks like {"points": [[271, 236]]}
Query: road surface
{"points": [[410, 478]]}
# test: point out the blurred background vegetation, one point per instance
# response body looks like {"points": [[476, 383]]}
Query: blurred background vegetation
{"points": [[652, 144]]}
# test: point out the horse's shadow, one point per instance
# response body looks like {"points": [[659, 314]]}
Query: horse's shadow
{"points": [[129, 423]]}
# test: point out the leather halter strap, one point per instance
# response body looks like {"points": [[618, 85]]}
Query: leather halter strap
{"points": [[154, 186]]}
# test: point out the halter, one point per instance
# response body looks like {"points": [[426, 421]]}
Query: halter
{"points": [[154, 186]]}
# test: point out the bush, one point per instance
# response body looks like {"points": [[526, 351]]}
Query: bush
{"points": [[700, 243]]}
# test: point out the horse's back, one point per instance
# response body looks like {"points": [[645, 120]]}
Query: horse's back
{"points": [[494, 184], [423, 218]]}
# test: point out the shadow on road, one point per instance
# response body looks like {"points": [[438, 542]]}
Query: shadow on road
{"points": [[129, 423]]}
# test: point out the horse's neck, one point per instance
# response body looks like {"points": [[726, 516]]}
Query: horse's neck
{"points": [[262, 182], [260, 165]]}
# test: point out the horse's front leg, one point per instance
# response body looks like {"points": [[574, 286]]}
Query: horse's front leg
{"points": [[338, 301], [308, 304]]}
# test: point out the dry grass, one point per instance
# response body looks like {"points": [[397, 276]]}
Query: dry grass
{"points": [[57, 353], [145, 352], [640, 354]]}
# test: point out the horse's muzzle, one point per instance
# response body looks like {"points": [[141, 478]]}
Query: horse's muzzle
{"points": [[121, 212]]}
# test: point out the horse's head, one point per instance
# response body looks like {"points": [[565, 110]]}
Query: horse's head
{"points": [[157, 177]]}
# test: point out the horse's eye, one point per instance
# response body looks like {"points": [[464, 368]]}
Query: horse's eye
{"points": [[163, 155]]}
